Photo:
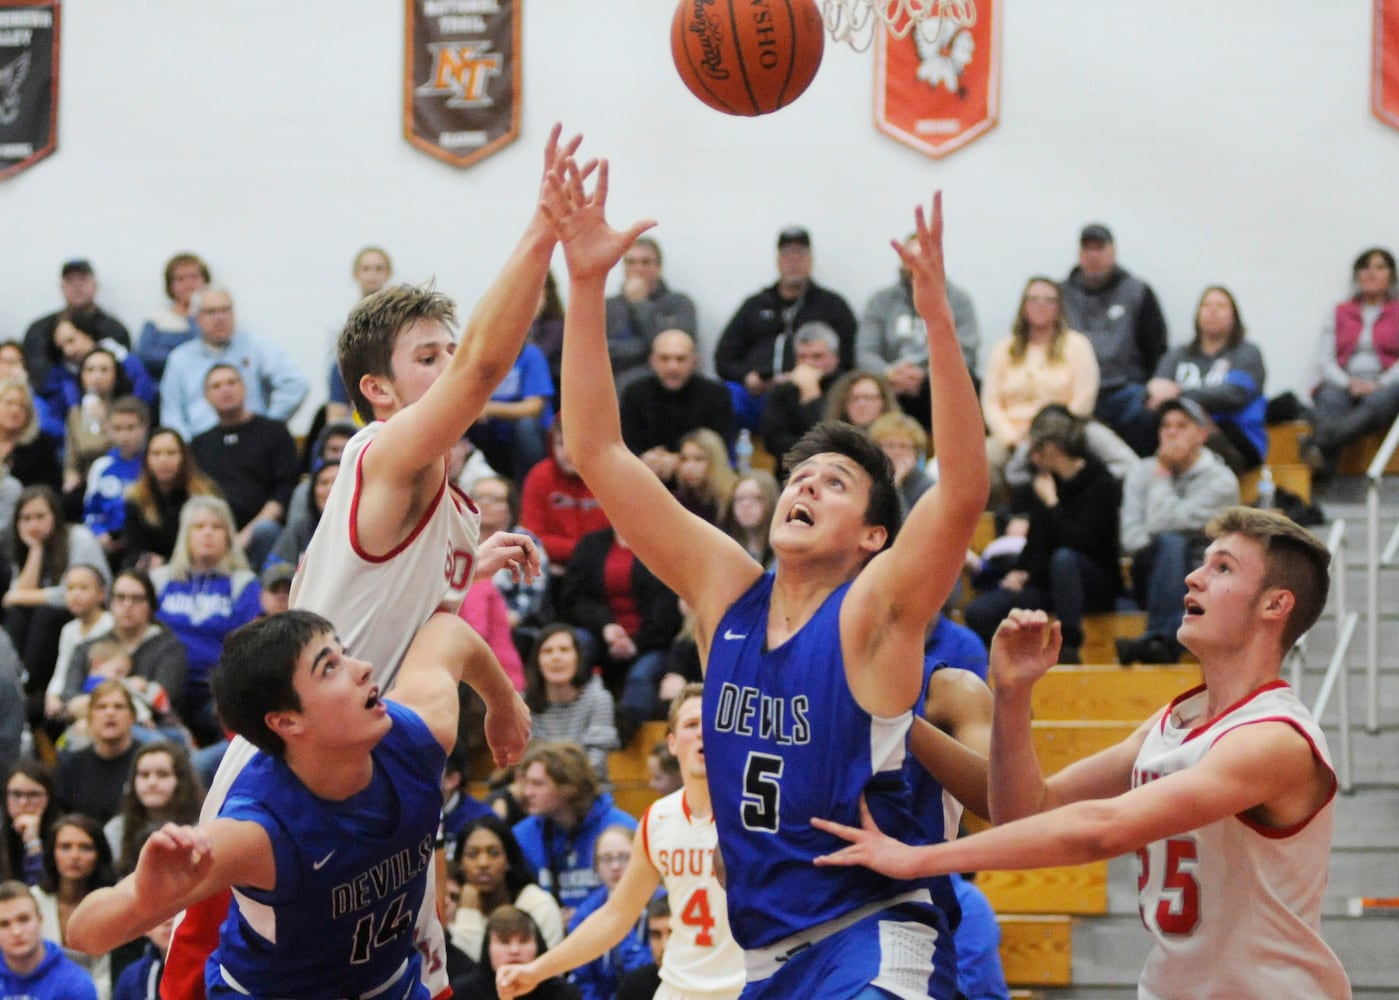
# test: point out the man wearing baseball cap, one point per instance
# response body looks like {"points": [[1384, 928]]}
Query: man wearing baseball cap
{"points": [[757, 348], [79, 287], [1167, 500], [1119, 313]]}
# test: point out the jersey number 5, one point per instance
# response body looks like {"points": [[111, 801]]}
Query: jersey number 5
{"points": [[696, 914], [762, 792], [1180, 915]]}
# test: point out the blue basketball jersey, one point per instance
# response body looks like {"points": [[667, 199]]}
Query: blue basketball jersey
{"points": [[784, 740], [350, 876]]}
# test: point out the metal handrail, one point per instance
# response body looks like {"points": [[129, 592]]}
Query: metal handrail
{"points": [[1375, 558], [1335, 544], [1335, 674]]}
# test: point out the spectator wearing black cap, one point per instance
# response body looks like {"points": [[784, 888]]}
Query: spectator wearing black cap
{"points": [[757, 348], [1166, 502], [79, 286], [1119, 313], [644, 307]]}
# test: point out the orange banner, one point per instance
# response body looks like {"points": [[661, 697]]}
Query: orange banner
{"points": [[1385, 98], [939, 88]]}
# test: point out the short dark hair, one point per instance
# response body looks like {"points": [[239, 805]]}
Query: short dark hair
{"points": [[224, 366], [254, 674], [837, 438], [132, 406], [658, 907], [1294, 560], [1056, 424], [1363, 261], [535, 695], [366, 343]]}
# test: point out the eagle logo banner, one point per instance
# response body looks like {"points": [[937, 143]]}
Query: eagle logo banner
{"points": [[28, 83]]}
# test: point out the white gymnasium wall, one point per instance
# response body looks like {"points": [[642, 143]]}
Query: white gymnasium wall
{"points": [[1224, 141]]}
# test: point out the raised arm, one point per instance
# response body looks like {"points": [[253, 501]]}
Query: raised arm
{"points": [[902, 588], [421, 434], [179, 865], [692, 557], [595, 935]]}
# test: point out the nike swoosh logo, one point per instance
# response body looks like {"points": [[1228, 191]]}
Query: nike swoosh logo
{"points": [[731, 634], [318, 865]]}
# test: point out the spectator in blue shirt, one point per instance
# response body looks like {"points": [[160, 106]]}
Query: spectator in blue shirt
{"points": [[511, 431]]}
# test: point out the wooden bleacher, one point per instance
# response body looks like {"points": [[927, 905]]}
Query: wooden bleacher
{"points": [[1357, 456]]}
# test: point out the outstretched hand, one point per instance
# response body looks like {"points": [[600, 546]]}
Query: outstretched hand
{"points": [[871, 847], [1024, 647], [922, 258], [173, 862], [591, 246], [516, 980], [511, 550]]}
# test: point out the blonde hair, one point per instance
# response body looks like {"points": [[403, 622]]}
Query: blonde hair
{"points": [[233, 559], [720, 479], [20, 384]]}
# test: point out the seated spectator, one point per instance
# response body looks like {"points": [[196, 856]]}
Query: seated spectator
{"points": [[251, 458], [642, 983], [30, 964], [35, 612], [556, 506], [371, 271], [526, 601], [704, 480], [141, 979], [328, 446], [276, 587], [567, 701], [892, 341], [13, 365], [85, 596], [1069, 562], [673, 398], [31, 808], [643, 308], [156, 657], [77, 860], [630, 615], [1224, 374], [172, 325], [275, 386], [162, 789], [512, 428], [107, 661], [1358, 393], [169, 476], [204, 593], [27, 453], [798, 402], [567, 812], [73, 340], [905, 442], [79, 288], [511, 937], [1119, 313], [747, 517], [13, 710], [546, 332], [1167, 501], [301, 524], [113, 473], [90, 780], [1043, 361], [85, 427], [459, 963], [459, 807], [756, 350], [598, 979], [662, 769], [860, 398], [497, 874]]}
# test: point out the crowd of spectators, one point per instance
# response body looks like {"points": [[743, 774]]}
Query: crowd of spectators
{"points": [[153, 499]]}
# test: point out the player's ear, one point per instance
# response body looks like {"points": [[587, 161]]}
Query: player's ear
{"points": [[376, 389], [283, 723], [874, 537], [1277, 604]]}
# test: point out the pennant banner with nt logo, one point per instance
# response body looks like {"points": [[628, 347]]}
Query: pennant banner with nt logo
{"points": [[1385, 99], [939, 88], [28, 83], [461, 92]]}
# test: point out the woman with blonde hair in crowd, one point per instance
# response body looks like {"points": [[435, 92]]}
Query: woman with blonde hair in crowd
{"points": [[26, 453], [372, 269], [169, 476], [1041, 362], [861, 398], [747, 516], [905, 442], [704, 480]]}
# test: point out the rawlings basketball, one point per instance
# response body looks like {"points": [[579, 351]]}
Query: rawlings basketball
{"points": [[747, 57]]}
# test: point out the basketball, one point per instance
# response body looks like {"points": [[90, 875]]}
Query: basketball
{"points": [[747, 57]]}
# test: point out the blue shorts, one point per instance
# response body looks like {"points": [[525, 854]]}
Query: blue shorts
{"points": [[902, 949]]}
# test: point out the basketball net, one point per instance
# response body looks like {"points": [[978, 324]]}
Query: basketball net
{"points": [[855, 21]]}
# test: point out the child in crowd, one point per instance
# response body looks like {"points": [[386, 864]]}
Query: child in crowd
{"points": [[109, 662], [112, 474], [85, 596]]}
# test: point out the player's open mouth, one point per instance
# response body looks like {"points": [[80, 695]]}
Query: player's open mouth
{"points": [[373, 700], [799, 514], [1193, 607]]}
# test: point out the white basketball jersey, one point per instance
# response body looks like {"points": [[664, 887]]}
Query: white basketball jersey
{"points": [[378, 602], [701, 959], [1235, 908]]}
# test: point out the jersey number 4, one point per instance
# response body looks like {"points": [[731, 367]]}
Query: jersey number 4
{"points": [[762, 792], [395, 921], [1178, 915], [696, 914]]}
